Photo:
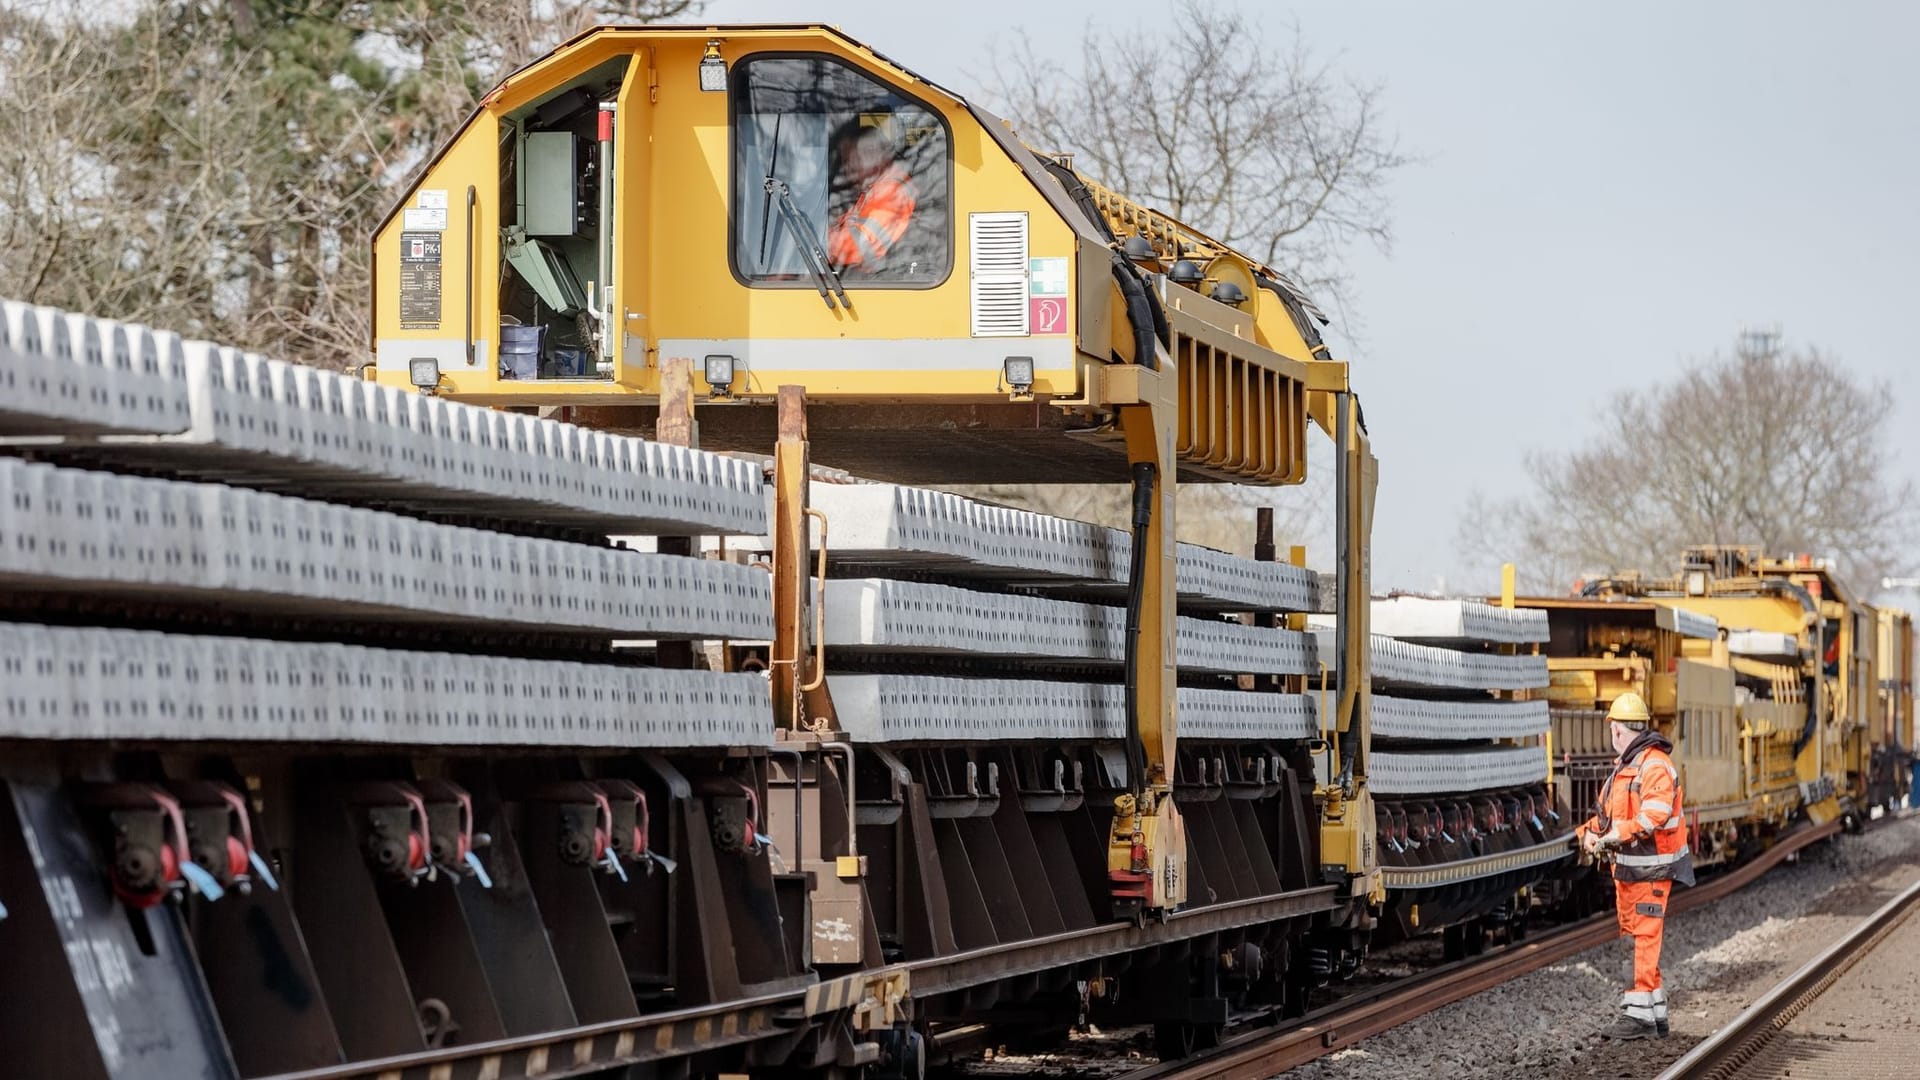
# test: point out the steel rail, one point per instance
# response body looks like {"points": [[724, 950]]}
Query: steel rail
{"points": [[1262, 1054], [1727, 1051], [941, 974], [596, 1047], [1435, 875]]}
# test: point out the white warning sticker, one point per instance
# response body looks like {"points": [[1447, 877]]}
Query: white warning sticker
{"points": [[423, 219]]}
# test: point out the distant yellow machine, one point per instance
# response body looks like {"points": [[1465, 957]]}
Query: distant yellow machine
{"points": [[646, 196], [1785, 693]]}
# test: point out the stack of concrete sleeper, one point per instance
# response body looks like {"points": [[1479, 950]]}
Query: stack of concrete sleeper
{"points": [[1435, 683], [265, 423], [222, 433]]}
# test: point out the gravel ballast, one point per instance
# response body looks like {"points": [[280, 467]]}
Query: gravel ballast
{"points": [[1716, 960]]}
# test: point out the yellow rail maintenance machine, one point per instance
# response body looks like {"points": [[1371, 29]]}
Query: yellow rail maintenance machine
{"points": [[646, 195]]}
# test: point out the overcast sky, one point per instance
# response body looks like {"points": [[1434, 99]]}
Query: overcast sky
{"points": [[1608, 192]]}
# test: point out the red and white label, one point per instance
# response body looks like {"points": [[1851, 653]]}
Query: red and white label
{"points": [[1047, 315]]}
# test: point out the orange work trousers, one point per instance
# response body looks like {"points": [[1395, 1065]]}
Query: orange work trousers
{"points": [[1642, 907]]}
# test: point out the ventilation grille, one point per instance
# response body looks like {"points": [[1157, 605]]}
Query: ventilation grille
{"points": [[998, 244]]}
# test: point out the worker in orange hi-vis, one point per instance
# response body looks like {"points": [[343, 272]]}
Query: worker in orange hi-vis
{"points": [[1640, 827], [868, 231]]}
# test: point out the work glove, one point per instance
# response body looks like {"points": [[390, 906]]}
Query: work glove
{"points": [[1611, 841]]}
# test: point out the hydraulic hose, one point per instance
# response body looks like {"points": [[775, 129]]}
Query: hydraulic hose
{"points": [[1142, 313], [1795, 591], [1144, 476], [1344, 493], [1308, 331], [1077, 189], [1150, 330], [1810, 687], [1143, 307]]}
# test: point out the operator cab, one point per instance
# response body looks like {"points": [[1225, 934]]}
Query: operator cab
{"points": [[781, 206], [840, 181], [830, 160]]}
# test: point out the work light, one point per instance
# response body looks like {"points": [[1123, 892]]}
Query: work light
{"points": [[719, 371], [424, 371], [713, 69], [1018, 372]]}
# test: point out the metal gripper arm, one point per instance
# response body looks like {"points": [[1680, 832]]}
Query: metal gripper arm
{"points": [[1146, 857]]}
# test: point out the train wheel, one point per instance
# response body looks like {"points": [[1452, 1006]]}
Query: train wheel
{"points": [[1174, 1039], [903, 1056]]}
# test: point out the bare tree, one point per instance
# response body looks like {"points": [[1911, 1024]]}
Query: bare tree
{"points": [[1782, 448], [1269, 150], [217, 169]]}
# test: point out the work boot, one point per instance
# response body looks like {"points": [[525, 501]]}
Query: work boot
{"points": [[1627, 1028], [1660, 1026]]}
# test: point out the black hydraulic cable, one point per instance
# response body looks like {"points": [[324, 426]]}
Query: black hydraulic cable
{"points": [[1143, 307], [1344, 494], [1150, 330], [1781, 585], [1077, 189], [1809, 687], [1308, 331], [1144, 475], [1140, 312], [1160, 328]]}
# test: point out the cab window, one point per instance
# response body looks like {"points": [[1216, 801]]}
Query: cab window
{"points": [[836, 174]]}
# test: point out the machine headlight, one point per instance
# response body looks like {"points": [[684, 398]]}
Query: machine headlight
{"points": [[1018, 373], [719, 371], [713, 70], [424, 371]]}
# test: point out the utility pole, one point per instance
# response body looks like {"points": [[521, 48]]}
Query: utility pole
{"points": [[1758, 342]]}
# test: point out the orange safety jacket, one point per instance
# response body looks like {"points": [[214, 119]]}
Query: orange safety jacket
{"points": [[1643, 798], [867, 232]]}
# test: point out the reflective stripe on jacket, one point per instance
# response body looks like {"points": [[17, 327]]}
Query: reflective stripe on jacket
{"points": [[1643, 796], [866, 233]]}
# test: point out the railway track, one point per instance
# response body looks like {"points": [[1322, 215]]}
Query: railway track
{"points": [[1262, 1053], [1730, 1051]]}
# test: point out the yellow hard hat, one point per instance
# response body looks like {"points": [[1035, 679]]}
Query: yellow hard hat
{"points": [[1629, 709]]}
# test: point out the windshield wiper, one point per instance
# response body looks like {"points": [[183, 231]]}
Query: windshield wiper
{"points": [[773, 170], [811, 252]]}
